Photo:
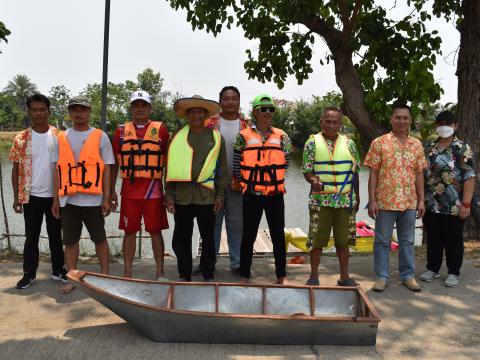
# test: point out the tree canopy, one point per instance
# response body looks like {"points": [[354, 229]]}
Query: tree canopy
{"points": [[4, 32], [378, 59]]}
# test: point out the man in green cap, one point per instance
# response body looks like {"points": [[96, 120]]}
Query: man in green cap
{"points": [[261, 156]]}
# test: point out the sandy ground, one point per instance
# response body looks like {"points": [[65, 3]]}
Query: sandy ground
{"points": [[39, 323]]}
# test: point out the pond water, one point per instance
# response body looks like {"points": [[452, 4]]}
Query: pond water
{"points": [[296, 212]]}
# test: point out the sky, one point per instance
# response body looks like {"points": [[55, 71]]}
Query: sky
{"points": [[60, 42]]}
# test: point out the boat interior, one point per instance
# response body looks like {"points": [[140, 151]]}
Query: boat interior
{"points": [[234, 299]]}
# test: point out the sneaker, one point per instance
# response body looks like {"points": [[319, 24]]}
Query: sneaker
{"points": [[451, 280], [197, 270], [429, 276], [313, 282], [379, 285], [411, 284], [346, 282], [61, 276], [25, 281]]}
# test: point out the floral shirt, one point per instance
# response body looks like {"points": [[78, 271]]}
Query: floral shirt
{"points": [[447, 171], [397, 165], [329, 200], [214, 122], [21, 152]]}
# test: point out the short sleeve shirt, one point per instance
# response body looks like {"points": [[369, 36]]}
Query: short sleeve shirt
{"points": [[397, 165], [76, 140], [329, 200], [447, 171]]}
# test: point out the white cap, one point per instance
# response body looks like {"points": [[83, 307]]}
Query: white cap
{"points": [[140, 95]]}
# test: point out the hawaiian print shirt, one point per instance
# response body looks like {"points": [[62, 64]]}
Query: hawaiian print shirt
{"points": [[214, 122], [329, 200], [21, 152], [397, 165], [447, 171]]}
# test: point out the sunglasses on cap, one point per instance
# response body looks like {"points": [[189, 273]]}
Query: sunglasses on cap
{"points": [[266, 109]]}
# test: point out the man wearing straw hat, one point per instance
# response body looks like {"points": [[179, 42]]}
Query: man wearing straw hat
{"points": [[195, 183], [330, 165]]}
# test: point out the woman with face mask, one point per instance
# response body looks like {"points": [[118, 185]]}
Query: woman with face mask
{"points": [[449, 185]]}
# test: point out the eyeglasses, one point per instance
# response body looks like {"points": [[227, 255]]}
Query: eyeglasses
{"points": [[267, 109]]}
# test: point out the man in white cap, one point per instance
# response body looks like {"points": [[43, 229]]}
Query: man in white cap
{"points": [[140, 146], [195, 183]]}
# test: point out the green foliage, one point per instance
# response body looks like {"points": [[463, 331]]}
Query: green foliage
{"points": [[404, 53], [118, 100], [301, 119], [4, 32], [394, 59], [11, 116], [59, 96], [21, 87]]}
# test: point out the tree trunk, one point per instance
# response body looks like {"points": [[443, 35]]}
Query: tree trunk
{"points": [[468, 72], [354, 105], [347, 79]]}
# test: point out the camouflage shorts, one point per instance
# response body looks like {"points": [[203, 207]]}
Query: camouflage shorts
{"points": [[323, 219]]}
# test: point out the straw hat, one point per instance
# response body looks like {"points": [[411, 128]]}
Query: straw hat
{"points": [[196, 101]]}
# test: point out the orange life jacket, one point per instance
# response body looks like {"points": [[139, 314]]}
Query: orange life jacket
{"points": [[141, 158], [84, 176], [263, 164]]}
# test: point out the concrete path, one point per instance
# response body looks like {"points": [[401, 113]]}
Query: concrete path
{"points": [[39, 323]]}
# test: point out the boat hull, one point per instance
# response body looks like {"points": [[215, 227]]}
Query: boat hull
{"points": [[199, 327]]}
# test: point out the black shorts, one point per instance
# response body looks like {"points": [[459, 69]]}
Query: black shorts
{"points": [[73, 218]]}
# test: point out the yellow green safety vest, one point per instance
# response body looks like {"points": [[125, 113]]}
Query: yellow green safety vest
{"points": [[334, 170], [180, 158]]}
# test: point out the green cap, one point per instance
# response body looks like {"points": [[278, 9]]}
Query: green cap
{"points": [[267, 100], [80, 100]]}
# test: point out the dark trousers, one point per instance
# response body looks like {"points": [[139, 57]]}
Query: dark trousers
{"points": [[33, 213], [253, 207], [182, 239], [444, 231]]}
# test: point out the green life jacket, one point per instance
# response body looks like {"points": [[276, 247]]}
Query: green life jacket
{"points": [[180, 158], [334, 170]]}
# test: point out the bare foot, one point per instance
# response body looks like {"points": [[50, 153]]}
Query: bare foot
{"points": [[244, 280], [282, 281], [67, 289]]}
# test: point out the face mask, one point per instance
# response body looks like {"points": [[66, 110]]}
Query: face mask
{"points": [[445, 131]]}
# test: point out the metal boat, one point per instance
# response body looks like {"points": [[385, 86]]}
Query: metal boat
{"points": [[236, 313]]}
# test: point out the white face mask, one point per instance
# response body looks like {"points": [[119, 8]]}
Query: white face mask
{"points": [[445, 131]]}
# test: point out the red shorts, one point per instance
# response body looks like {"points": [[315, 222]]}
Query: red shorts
{"points": [[153, 211]]}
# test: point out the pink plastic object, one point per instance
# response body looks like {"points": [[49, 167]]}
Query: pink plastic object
{"points": [[394, 246]]}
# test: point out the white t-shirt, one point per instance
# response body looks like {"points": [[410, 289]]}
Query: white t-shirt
{"points": [[229, 130], [76, 140], [43, 145]]}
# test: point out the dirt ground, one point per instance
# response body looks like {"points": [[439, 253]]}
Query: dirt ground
{"points": [[437, 323]]}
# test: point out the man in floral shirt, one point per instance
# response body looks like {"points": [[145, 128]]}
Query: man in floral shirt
{"points": [[395, 189], [449, 185], [331, 206], [32, 182]]}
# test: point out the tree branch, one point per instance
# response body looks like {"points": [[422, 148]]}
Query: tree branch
{"points": [[356, 12]]}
